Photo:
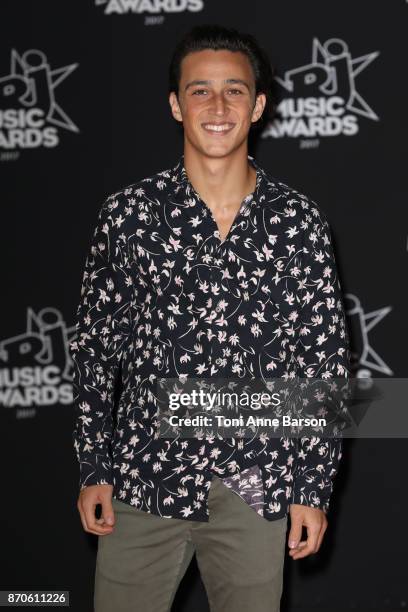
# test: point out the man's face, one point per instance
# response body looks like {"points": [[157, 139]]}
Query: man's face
{"points": [[217, 101]]}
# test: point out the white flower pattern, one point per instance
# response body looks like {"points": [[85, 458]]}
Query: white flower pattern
{"points": [[163, 296]]}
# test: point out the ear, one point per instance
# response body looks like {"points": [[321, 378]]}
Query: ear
{"points": [[259, 107], [175, 107]]}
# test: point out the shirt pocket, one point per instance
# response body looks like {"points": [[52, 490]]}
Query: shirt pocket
{"points": [[168, 273], [249, 282], [258, 299]]}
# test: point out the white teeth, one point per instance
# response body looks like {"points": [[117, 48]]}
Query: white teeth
{"points": [[217, 128]]}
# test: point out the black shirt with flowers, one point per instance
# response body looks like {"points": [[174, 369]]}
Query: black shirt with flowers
{"points": [[163, 296]]}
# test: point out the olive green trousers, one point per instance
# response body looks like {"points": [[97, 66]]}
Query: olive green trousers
{"points": [[239, 553]]}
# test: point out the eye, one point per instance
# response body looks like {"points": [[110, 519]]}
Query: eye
{"points": [[235, 90], [197, 91]]}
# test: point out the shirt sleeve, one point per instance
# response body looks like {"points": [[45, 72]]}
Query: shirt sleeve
{"points": [[103, 325], [322, 353]]}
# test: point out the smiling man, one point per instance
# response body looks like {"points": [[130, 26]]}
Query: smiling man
{"points": [[211, 268]]}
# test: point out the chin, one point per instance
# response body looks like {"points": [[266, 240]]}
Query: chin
{"points": [[218, 150]]}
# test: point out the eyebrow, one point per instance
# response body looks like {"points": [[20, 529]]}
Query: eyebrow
{"points": [[229, 81]]}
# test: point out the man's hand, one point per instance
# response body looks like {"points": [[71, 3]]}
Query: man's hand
{"points": [[87, 502], [315, 522]]}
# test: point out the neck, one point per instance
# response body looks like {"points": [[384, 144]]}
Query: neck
{"points": [[220, 181]]}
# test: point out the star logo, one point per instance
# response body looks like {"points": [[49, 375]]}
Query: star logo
{"points": [[31, 84], [320, 98], [361, 323], [332, 71]]}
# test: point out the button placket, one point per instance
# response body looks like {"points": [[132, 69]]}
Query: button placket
{"points": [[211, 341]]}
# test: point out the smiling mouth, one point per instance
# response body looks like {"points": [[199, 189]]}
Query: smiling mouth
{"points": [[218, 128]]}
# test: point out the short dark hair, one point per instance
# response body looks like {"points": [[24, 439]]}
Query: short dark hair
{"points": [[217, 37]]}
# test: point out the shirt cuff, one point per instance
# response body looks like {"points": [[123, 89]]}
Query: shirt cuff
{"points": [[95, 470], [312, 492]]}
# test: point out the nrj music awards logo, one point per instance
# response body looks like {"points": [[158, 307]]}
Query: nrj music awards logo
{"points": [[35, 366], [150, 7], [321, 98], [30, 116], [364, 358]]}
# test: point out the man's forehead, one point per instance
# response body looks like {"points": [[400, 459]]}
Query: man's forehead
{"points": [[219, 71]]}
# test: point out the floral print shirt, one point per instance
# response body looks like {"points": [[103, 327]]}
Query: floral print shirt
{"points": [[163, 296]]}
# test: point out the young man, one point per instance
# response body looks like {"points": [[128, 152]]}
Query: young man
{"points": [[211, 268]]}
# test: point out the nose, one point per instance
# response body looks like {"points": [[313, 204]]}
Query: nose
{"points": [[219, 104]]}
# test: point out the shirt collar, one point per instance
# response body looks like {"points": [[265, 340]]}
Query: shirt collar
{"points": [[180, 177]]}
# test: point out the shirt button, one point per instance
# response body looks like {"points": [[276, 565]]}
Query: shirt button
{"points": [[218, 309]]}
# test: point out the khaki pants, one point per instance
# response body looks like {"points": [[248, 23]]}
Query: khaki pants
{"points": [[240, 556]]}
